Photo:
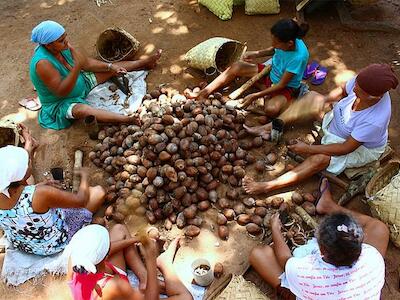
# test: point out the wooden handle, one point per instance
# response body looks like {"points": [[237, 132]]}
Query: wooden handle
{"points": [[77, 165], [250, 82]]}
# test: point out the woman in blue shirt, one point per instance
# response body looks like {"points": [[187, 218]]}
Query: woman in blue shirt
{"points": [[289, 61]]}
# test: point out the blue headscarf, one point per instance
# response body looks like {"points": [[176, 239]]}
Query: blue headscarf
{"points": [[47, 32]]}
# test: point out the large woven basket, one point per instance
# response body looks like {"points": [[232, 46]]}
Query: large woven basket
{"points": [[383, 196], [9, 133], [235, 287], [217, 52], [115, 44], [255, 7]]}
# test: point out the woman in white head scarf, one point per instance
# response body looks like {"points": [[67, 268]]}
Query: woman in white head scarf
{"points": [[99, 260], [40, 219], [63, 77]]}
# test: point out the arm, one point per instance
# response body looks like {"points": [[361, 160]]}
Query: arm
{"points": [[281, 249], [47, 197], [52, 78], [150, 256], [336, 94], [117, 246], [250, 55], [331, 150]]}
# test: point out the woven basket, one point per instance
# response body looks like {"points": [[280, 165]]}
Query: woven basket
{"points": [[255, 7], [383, 196], [115, 44], [221, 8], [9, 133], [234, 287], [217, 52], [362, 2], [238, 2]]}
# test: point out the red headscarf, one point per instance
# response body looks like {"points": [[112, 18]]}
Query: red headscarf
{"points": [[377, 79]]}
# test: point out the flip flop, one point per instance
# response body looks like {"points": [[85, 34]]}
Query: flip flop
{"points": [[31, 103], [319, 76], [320, 193], [310, 70]]}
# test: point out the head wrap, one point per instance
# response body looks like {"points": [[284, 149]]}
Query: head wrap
{"points": [[14, 164], [89, 246], [377, 79], [47, 32]]}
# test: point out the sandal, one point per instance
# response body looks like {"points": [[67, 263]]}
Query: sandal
{"points": [[319, 76], [310, 69], [31, 103], [320, 193]]}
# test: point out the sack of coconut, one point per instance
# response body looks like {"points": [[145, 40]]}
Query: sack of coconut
{"points": [[217, 52], [383, 196], [254, 7], [9, 133], [221, 8]]}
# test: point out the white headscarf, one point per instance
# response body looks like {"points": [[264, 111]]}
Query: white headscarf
{"points": [[89, 246], [14, 164]]}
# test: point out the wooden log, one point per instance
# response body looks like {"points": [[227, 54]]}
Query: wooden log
{"points": [[306, 217], [77, 165], [235, 94]]}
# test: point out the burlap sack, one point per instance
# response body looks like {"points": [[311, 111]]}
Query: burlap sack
{"points": [[115, 44], [383, 196], [221, 8], [235, 287], [217, 52], [254, 7]]}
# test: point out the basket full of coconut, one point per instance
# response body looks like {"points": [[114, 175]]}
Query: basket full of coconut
{"points": [[115, 44]]}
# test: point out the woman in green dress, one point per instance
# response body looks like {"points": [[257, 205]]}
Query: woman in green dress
{"points": [[63, 77]]}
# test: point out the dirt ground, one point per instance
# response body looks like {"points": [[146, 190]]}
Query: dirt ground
{"points": [[176, 26]]}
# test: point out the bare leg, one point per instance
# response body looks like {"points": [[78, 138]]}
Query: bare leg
{"points": [[96, 198], [274, 106], [311, 106], [131, 65], [129, 256], [81, 111], [376, 232], [306, 169], [174, 287], [239, 69], [263, 260]]}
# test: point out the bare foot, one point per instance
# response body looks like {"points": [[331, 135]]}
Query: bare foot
{"points": [[166, 259], [325, 203], [252, 187], [153, 59], [263, 131]]}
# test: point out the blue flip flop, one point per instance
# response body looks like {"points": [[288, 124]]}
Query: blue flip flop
{"points": [[320, 193], [310, 70], [319, 76]]}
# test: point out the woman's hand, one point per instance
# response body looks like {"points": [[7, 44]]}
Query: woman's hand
{"points": [[79, 58], [118, 70], [247, 101], [150, 249], [300, 147], [275, 222]]}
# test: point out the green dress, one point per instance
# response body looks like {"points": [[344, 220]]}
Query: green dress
{"points": [[54, 108]]}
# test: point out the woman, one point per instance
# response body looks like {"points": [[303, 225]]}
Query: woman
{"points": [[289, 61], [99, 260], [355, 131], [345, 261], [41, 219], [63, 77]]}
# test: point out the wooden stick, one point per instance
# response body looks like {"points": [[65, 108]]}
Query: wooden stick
{"points": [[250, 82], [77, 165], [306, 217]]}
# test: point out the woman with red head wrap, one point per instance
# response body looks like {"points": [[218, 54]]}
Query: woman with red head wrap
{"points": [[355, 130]]}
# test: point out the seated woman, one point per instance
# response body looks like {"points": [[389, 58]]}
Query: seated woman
{"points": [[345, 261], [99, 260], [63, 77], [41, 219], [355, 131], [289, 61]]}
